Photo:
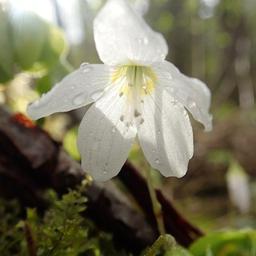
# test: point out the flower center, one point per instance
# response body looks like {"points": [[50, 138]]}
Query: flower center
{"points": [[136, 83], [139, 79]]}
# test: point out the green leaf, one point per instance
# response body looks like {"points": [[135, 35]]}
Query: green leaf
{"points": [[228, 243], [6, 52], [55, 47], [45, 83], [29, 33], [70, 143]]}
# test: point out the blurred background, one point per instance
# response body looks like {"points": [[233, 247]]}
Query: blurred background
{"points": [[213, 40]]}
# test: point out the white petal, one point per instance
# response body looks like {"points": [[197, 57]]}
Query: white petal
{"points": [[190, 92], [141, 6], [122, 36], [104, 140], [77, 89], [166, 135]]}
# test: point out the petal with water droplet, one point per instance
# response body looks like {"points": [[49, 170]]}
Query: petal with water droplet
{"points": [[165, 135], [104, 140], [190, 92], [76, 90], [122, 36]]}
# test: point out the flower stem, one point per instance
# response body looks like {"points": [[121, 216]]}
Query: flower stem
{"points": [[157, 208]]}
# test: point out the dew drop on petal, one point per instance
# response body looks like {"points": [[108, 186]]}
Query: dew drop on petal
{"points": [[140, 40], [169, 76], [96, 95], [85, 67], [145, 40], [136, 113], [174, 102], [78, 100], [121, 118], [113, 130], [157, 161], [192, 104], [84, 64]]}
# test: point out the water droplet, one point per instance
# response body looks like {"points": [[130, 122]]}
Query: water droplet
{"points": [[144, 87], [158, 132], [121, 118], [169, 76], [104, 172], [140, 40], [174, 102], [136, 113], [121, 94], [78, 100], [157, 161], [145, 40], [141, 121], [192, 104], [96, 95], [113, 129], [85, 67], [84, 64]]}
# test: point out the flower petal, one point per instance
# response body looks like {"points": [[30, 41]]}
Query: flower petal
{"points": [[166, 135], [77, 89], [190, 92], [104, 140], [122, 36], [141, 6]]}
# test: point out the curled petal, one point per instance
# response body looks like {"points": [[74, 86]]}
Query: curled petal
{"points": [[166, 135], [122, 36], [77, 89], [104, 140], [190, 92]]}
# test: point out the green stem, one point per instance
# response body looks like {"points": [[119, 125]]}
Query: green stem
{"points": [[157, 209], [164, 241]]}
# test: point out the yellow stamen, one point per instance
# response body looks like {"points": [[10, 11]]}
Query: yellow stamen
{"points": [[135, 79]]}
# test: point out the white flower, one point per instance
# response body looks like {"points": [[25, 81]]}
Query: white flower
{"points": [[135, 93]]}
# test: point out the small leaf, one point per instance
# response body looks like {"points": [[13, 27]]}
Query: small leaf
{"points": [[70, 143], [29, 33], [239, 243], [55, 47]]}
